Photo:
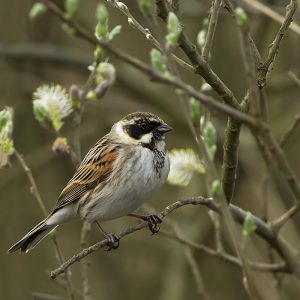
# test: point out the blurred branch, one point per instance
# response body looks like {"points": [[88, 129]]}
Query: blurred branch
{"points": [[44, 52], [276, 267], [271, 13], [172, 81], [285, 250], [280, 221], [44, 296], [295, 77], [34, 190], [197, 275], [213, 20], [290, 131], [201, 67], [265, 68], [147, 33]]}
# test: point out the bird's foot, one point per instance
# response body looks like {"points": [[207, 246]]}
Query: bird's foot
{"points": [[113, 241], [153, 221]]}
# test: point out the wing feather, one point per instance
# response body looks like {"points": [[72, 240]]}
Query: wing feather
{"points": [[94, 169]]}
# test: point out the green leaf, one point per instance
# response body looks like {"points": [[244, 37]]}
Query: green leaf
{"points": [[114, 32], [41, 114], [102, 13], [7, 146], [216, 189], [241, 18], [210, 138], [145, 7], [174, 29], [210, 133], [99, 54], [195, 110], [36, 10], [68, 29], [158, 63], [71, 7], [249, 225], [201, 38]]}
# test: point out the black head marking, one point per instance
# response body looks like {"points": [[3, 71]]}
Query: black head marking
{"points": [[141, 127]]}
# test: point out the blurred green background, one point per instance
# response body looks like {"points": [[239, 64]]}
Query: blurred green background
{"points": [[144, 267]]}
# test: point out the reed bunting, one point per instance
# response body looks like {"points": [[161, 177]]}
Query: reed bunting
{"points": [[116, 176]]}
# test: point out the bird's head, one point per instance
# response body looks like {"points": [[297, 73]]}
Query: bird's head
{"points": [[141, 128]]}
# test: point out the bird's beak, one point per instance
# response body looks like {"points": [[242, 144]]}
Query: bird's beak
{"points": [[164, 128]]}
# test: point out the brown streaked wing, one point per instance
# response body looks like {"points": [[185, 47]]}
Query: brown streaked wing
{"points": [[95, 167]]}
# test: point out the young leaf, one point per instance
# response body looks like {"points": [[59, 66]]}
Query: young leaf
{"points": [[249, 225], [158, 62], [174, 29], [114, 32]]}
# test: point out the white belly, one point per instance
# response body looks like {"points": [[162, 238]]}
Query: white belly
{"points": [[122, 194]]}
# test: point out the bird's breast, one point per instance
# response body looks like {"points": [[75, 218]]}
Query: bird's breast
{"points": [[136, 177]]}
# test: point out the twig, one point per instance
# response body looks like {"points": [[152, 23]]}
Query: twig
{"points": [[280, 221], [33, 188], [44, 296], [214, 13], [285, 250], [175, 82], [201, 67], [46, 53], [37, 195], [197, 275], [295, 77], [277, 152], [263, 267], [290, 131], [147, 33], [265, 68], [271, 13], [85, 230]]}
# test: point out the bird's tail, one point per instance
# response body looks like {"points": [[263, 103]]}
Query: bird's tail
{"points": [[33, 237]]}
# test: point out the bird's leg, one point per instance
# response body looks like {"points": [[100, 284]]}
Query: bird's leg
{"points": [[153, 221], [113, 241]]}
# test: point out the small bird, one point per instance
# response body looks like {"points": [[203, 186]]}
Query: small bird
{"points": [[117, 175]]}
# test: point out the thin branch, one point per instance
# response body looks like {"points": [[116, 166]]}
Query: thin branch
{"points": [[289, 255], [285, 217], [197, 275], [295, 77], [147, 33], [44, 296], [265, 68], [271, 14], [201, 67], [274, 148], [263, 267], [213, 20], [290, 131], [172, 81], [34, 190]]}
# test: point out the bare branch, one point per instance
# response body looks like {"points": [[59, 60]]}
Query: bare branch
{"points": [[290, 131], [271, 14], [37, 195], [285, 250], [263, 267], [265, 68], [213, 20], [175, 82]]}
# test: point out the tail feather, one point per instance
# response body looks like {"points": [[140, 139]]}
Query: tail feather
{"points": [[33, 237]]}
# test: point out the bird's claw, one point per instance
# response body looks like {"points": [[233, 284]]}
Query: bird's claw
{"points": [[113, 241], [153, 221]]}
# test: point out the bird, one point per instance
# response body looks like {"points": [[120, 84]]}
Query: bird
{"points": [[118, 174]]}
